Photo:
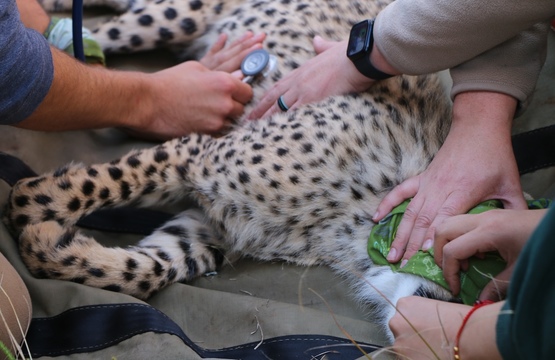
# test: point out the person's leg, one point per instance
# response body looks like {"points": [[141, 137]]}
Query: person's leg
{"points": [[15, 307], [33, 15]]}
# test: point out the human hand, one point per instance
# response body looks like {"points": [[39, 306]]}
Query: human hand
{"points": [[229, 58], [460, 237], [189, 98], [476, 163], [426, 329], [310, 82]]}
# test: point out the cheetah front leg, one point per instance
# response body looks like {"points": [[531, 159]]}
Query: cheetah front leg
{"points": [[157, 24]]}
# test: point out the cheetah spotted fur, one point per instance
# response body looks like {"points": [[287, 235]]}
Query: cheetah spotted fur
{"points": [[297, 186]]}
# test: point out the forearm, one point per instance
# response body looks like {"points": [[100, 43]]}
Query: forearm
{"points": [[420, 36], [478, 337], [85, 97], [483, 116]]}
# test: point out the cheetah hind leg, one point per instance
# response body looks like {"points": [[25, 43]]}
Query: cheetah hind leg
{"points": [[178, 251]]}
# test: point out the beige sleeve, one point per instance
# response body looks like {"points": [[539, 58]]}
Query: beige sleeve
{"points": [[494, 45]]}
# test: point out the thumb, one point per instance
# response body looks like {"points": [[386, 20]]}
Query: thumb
{"points": [[497, 288], [321, 45]]}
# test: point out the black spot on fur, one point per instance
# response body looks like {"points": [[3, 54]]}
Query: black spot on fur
{"points": [[74, 205], [129, 276], [135, 41], [172, 273], [87, 188], [195, 4], [165, 34], [104, 193], [96, 272], [144, 286], [244, 178], [163, 255], [125, 190], [89, 203], [356, 194], [92, 172], [35, 183], [192, 266], [131, 264], [145, 20], [68, 261], [21, 200], [175, 230], [258, 146], [65, 185], [79, 280], [307, 148], [60, 172], [158, 268], [114, 33], [149, 188], [66, 239], [188, 25], [160, 156], [282, 151], [257, 159], [170, 13], [115, 173], [113, 287], [48, 215]]}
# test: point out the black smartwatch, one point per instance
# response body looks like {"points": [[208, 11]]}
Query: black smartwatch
{"points": [[360, 47]]}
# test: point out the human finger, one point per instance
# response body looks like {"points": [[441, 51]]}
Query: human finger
{"points": [[497, 288], [400, 193], [399, 244], [219, 44], [281, 105], [229, 58], [452, 206], [459, 250], [320, 44], [449, 230], [241, 92]]}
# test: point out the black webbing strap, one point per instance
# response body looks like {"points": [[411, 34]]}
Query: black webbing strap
{"points": [[535, 149], [91, 328]]}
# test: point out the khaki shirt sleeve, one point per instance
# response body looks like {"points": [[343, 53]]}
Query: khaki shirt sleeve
{"points": [[494, 45]]}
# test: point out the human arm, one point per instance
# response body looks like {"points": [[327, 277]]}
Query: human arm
{"points": [[418, 37], [438, 323], [504, 231], [168, 103]]}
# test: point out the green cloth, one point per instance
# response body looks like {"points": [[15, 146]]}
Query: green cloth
{"points": [[63, 40], [479, 273]]}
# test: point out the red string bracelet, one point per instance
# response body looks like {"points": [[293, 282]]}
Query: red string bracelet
{"points": [[476, 306]]}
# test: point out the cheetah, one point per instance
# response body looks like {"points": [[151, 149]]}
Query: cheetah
{"points": [[298, 186]]}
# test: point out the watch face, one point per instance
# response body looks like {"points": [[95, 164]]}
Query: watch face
{"points": [[359, 39]]}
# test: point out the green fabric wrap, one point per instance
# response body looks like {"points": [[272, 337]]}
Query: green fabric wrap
{"points": [[91, 48], [479, 273]]}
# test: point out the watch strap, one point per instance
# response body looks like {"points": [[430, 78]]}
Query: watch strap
{"points": [[363, 63], [365, 67]]}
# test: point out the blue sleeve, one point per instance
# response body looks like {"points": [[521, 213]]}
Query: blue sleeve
{"points": [[26, 66]]}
